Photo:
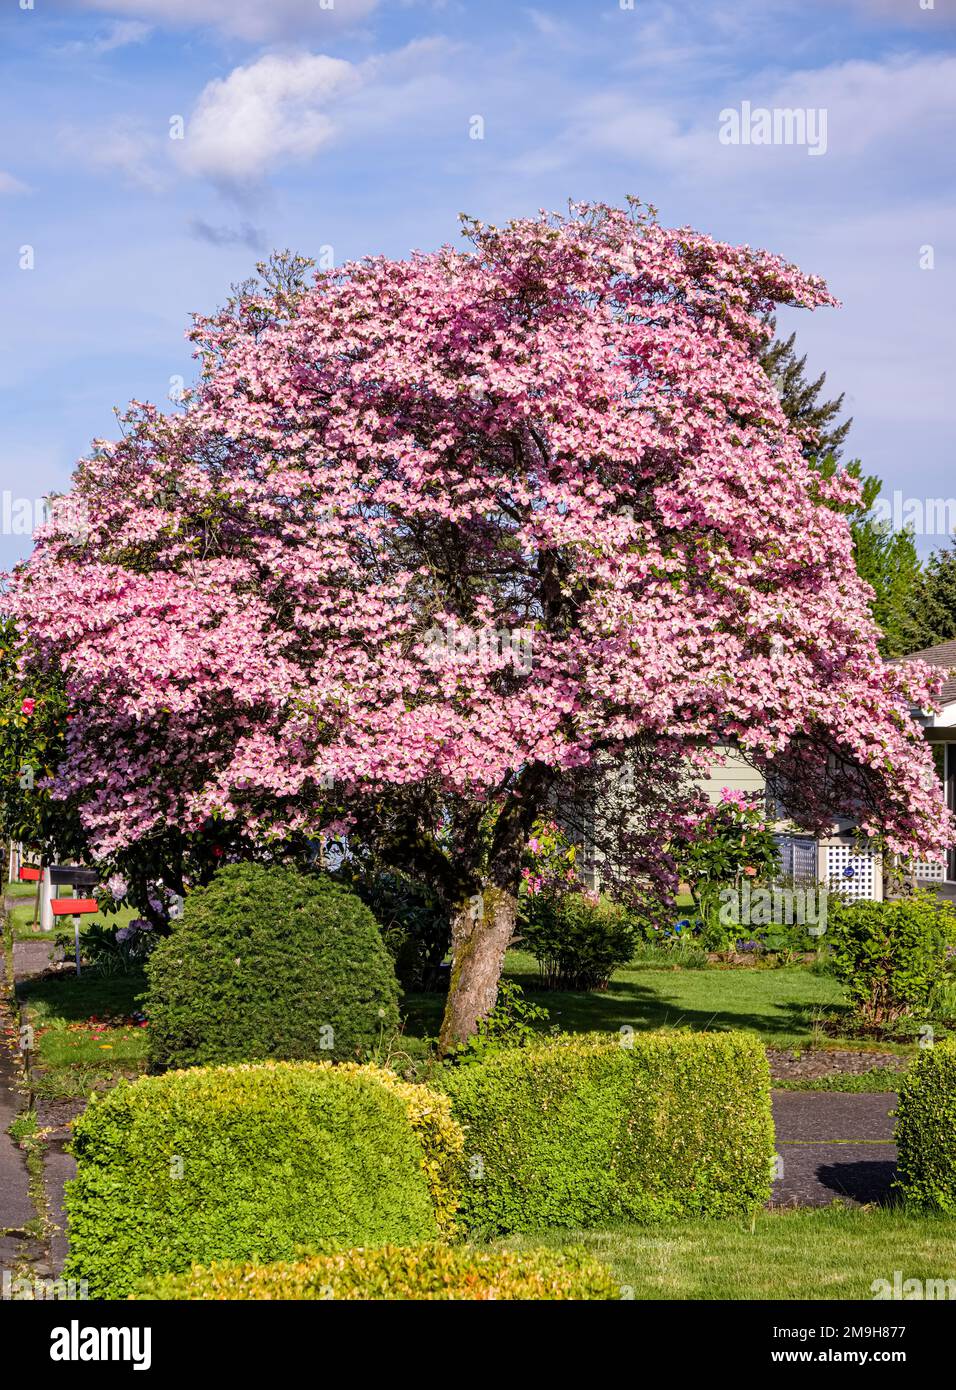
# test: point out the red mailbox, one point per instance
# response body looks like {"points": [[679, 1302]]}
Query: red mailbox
{"points": [[72, 907], [28, 874]]}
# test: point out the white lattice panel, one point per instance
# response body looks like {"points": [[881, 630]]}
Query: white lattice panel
{"points": [[851, 873], [798, 858], [929, 871]]}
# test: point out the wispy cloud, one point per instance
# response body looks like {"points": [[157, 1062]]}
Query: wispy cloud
{"points": [[124, 146], [257, 21], [243, 235], [872, 110], [120, 34], [8, 184]]}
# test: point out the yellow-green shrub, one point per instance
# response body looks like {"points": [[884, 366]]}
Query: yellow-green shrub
{"points": [[926, 1129], [252, 1162], [439, 1134], [431, 1271], [585, 1130]]}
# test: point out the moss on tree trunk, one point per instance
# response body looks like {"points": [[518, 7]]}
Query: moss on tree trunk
{"points": [[481, 929]]}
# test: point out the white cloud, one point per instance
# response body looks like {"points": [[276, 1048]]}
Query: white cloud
{"points": [[8, 184], [877, 106], [885, 111], [275, 110], [257, 21]]}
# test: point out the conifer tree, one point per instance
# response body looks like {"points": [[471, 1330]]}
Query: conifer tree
{"points": [[931, 618]]}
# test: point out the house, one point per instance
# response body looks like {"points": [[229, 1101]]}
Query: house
{"points": [[940, 730], [836, 859]]}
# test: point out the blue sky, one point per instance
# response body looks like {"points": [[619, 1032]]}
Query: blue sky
{"points": [[350, 127]]}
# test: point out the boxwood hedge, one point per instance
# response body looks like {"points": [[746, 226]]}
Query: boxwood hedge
{"points": [[590, 1129], [270, 963], [254, 1162], [926, 1129], [412, 1272]]}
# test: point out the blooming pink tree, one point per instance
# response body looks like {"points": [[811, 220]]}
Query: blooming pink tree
{"points": [[435, 539]]}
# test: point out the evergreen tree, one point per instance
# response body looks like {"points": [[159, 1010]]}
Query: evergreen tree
{"points": [[816, 422], [931, 616], [888, 561]]}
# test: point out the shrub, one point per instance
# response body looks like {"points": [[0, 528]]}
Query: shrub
{"points": [[513, 1022], [252, 1163], [438, 1133], [577, 939], [926, 1129], [585, 1130], [414, 922], [724, 844], [410, 1272], [269, 963], [890, 956], [112, 951]]}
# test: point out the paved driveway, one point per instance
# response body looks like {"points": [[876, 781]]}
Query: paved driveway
{"points": [[831, 1145]]}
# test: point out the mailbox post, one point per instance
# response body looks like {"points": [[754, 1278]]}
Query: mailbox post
{"points": [[74, 907], [54, 878]]}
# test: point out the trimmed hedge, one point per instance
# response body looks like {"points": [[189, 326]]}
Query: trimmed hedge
{"points": [[416, 1272], [252, 1163], [439, 1134], [585, 1130], [926, 1129], [270, 963]]}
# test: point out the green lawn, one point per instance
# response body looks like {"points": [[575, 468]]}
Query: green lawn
{"points": [[779, 1004], [19, 890], [84, 1038], [832, 1252]]}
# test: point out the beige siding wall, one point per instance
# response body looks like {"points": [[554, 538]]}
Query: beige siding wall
{"points": [[734, 772]]}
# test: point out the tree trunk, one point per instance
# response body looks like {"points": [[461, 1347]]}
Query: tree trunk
{"points": [[481, 929]]}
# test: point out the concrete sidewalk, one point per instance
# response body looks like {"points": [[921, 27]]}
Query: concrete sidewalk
{"points": [[24, 1250]]}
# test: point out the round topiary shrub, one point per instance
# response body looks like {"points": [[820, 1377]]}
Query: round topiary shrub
{"points": [[255, 1162], [269, 963]]}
